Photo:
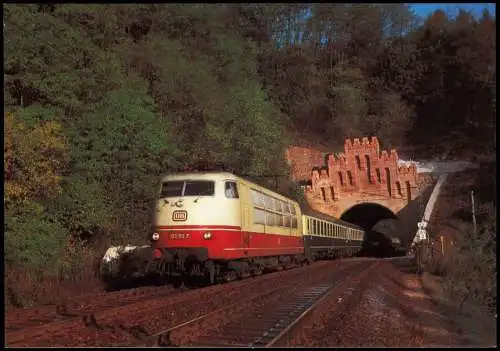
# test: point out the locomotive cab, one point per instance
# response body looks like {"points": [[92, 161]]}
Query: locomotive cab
{"points": [[197, 215]]}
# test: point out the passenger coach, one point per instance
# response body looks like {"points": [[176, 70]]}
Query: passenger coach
{"points": [[328, 237]]}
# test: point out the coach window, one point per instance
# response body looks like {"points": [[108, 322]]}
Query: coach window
{"points": [[287, 220], [277, 205], [231, 190], [268, 200], [270, 219], [259, 216], [257, 198]]}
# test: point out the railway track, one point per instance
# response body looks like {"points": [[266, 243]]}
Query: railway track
{"points": [[119, 316], [263, 320]]}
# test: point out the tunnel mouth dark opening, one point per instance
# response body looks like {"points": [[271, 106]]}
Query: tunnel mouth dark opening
{"points": [[376, 244]]}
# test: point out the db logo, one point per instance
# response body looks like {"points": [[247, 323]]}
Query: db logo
{"points": [[179, 216]]}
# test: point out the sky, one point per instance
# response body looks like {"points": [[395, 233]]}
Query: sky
{"points": [[475, 8], [422, 10]]}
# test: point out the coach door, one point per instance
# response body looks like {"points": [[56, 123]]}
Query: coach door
{"points": [[245, 202]]}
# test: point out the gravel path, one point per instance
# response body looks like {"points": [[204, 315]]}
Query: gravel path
{"points": [[387, 309]]}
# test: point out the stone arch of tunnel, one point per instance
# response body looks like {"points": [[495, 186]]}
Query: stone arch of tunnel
{"points": [[367, 215]]}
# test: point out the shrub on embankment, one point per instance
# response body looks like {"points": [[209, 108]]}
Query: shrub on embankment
{"points": [[469, 269], [468, 266]]}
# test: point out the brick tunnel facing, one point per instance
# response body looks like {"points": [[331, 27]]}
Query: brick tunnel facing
{"points": [[364, 185]]}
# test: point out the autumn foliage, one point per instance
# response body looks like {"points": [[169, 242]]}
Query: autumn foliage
{"points": [[34, 159]]}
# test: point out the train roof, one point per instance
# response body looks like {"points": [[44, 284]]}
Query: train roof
{"points": [[217, 176], [199, 175], [312, 213]]}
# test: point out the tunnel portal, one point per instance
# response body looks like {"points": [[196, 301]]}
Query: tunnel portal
{"points": [[367, 215]]}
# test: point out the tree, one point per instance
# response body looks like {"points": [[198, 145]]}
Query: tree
{"points": [[34, 158]]}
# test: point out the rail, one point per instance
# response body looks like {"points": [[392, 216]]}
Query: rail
{"points": [[278, 321]]}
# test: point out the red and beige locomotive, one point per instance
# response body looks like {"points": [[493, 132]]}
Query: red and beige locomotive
{"points": [[223, 227]]}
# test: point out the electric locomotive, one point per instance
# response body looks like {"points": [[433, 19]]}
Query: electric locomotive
{"points": [[221, 227]]}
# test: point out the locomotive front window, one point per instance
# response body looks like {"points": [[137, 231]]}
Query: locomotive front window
{"points": [[187, 188], [171, 189], [199, 188]]}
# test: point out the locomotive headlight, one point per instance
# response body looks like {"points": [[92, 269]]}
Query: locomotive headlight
{"points": [[156, 236], [207, 235]]}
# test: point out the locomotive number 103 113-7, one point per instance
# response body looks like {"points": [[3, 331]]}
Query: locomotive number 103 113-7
{"points": [[179, 236]]}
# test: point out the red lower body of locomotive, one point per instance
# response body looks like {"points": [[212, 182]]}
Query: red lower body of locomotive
{"points": [[216, 250]]}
